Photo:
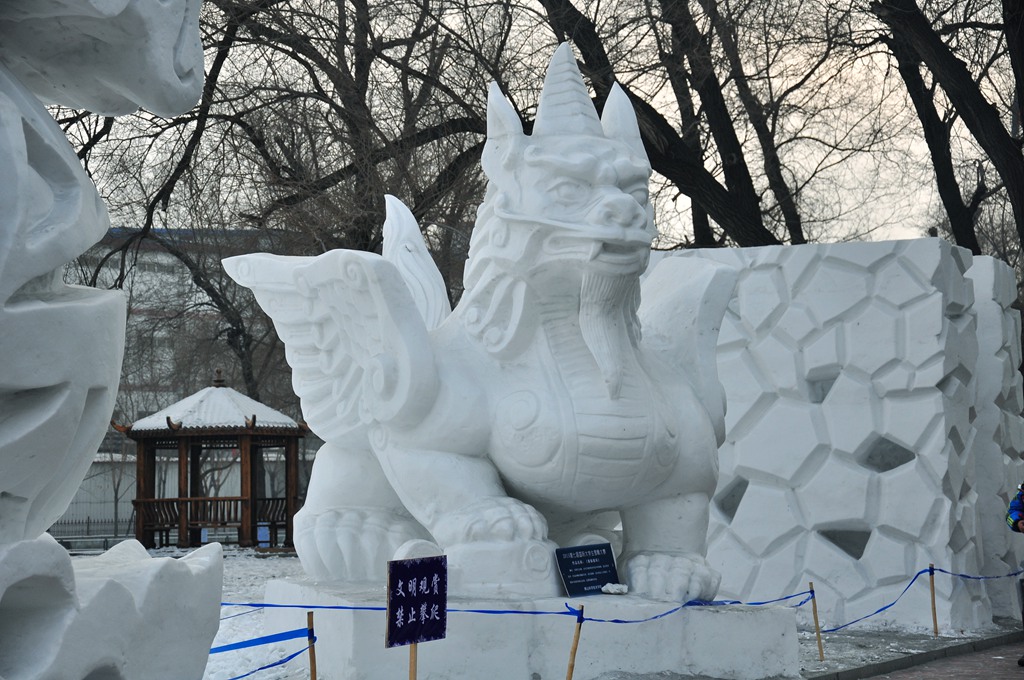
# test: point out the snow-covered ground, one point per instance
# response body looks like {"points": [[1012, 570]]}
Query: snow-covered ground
{"points": [[246, 574]]}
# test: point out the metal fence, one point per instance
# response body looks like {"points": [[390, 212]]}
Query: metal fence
{"points": [[88, 527], [87, 533]]}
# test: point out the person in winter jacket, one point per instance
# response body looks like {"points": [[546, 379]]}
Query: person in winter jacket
{"points": [[1015, 513], [1015, 518]]}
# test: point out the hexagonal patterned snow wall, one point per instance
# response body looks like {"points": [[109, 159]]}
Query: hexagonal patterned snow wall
{"points": [[1000, 430], [852, 445]]}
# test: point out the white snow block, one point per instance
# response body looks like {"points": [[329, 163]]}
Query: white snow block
{"points": [[733, 643], [1000, 428], [119, 616], [850, 453]]}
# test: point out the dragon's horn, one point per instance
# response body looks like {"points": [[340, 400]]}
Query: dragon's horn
{"points": [[504, 130], [619, 121], [565, 106], [502, 119]]}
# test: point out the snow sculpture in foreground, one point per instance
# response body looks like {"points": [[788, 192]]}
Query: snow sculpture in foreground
{"points": [[121, 615], [535, 410]]}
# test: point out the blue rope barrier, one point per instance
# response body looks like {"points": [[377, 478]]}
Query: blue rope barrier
{"points": [[303, 606], [650, 618], [271, 665], [808, 593], [882, 609], [979, 578], [251, 611], [807, 596], [265, 640], [570, 610], [929, 570], [510, 611]]}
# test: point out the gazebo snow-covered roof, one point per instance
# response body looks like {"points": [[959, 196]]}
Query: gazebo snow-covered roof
{"points": [[215, 418], [215, 408]]}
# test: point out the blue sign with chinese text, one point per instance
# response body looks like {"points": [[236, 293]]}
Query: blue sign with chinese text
{"points": [[586, 568], [417, 600]]}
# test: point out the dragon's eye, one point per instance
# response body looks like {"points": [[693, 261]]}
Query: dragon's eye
{"points": [[568, 191]]}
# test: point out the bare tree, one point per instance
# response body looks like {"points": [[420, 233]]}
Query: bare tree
{"points": [[964, 48], [310, 113], [766, 122]]}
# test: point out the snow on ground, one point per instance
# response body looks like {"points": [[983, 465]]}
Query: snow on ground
{"points": [[247, 572], [245, 576]]}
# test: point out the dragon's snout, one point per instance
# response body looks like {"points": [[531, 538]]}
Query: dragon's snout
{"points": [[618, 210]]}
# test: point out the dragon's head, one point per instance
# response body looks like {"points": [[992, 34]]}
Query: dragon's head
{"points": [[566, 220], [572, 197]]}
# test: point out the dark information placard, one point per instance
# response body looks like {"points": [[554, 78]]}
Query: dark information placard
{"points": [[585, 568], [417, 600]]}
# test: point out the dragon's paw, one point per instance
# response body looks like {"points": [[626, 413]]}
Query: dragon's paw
{"points": [[676, 578], [351, 544], [495, 518]]}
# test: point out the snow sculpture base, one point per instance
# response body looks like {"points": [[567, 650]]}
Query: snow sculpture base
{"points": [[735, 642]]}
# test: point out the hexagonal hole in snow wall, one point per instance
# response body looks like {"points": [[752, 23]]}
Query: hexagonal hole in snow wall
{"points": [[885, 455], [850, 541], [817, 390], [728, 499], [30, 610]]}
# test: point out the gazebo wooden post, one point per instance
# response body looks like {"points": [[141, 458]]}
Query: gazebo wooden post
{"points": [[259, 493], [183, 450], [246, 532], [145, 486], [195, 485], [291, 485]]}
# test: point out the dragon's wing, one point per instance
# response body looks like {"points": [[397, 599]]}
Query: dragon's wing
{"points": [[684, 301], [357, 346], [404, 247]]}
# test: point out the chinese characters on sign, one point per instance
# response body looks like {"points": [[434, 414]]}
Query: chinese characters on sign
{"points": [[417, 600], [586, 568]]}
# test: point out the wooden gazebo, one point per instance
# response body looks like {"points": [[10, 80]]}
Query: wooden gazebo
{"points": [[215, 421]]}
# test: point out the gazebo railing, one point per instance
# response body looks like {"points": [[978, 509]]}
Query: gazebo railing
{"points": [[157, 514], [272, 510], [163, 514], [214, 512]]}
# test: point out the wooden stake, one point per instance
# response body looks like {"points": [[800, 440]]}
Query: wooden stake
{"points": [[312, 645], [817, 627], [575, 644], [935, 616], [412, 661]]}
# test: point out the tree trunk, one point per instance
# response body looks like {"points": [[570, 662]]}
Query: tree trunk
{"points": [[907, 22], [759, 121], [1013, 28], [687, 39], [936, 134]]}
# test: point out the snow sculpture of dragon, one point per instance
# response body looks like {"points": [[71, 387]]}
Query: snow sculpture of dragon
{"points": [[533, 412]]}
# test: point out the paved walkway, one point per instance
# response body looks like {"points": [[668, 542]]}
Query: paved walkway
{"points": [[996, 663]]}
